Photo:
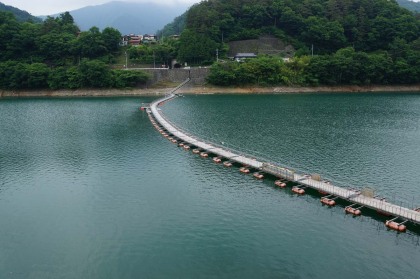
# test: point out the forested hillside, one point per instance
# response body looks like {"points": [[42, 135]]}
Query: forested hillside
{"points": [[329, 25], [409, 5], [55, 54], [19, 14], [345, 31], [336, 41], [173, 28]]}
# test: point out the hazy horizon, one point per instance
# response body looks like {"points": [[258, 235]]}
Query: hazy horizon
{"points": [[50, 7]]}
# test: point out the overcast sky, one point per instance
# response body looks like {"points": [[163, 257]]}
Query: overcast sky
{"points": [[49, 7]]}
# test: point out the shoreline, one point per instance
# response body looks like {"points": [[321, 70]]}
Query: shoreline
{"points": [[204, 89]]}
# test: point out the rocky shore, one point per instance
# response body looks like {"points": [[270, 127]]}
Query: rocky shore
{"points": [[206, 90]]}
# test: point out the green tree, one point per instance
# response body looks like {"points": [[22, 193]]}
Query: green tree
{"points": [[325, 35], [262, 70], [9, 27], [111, 38], [293, 72], [223, 74], [196, 48], [56, 47], [67, 24], [66, 19], [90, 44], [49, 25], [23, 43], [124, 79], [95, 73], [37, 75], [6, 73], [320, 70], [291, 21], [379, 67], [74, 77], [164, 53]]}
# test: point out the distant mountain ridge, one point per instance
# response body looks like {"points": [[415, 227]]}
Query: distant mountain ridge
{"points": [[128, 17], [409, 5], [19, 14]]}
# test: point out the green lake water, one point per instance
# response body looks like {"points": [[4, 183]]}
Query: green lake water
{"points": [[89, 189]]}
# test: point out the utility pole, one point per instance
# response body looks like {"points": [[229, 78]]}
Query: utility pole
{"points": [[126, 60], [312, 49], [154, 60], [217, 55]]}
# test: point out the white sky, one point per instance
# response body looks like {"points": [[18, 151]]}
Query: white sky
{"points": [[49, 7]]}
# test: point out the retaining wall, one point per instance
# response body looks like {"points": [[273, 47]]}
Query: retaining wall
{"points": [[198, 75]]}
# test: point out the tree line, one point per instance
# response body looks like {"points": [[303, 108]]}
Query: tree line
{"points": [[344, 67], [349, 39], [56, 54], [328, 25], [353, 42], [157, 54]]}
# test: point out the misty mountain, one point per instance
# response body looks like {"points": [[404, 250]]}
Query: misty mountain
{"points": [[137, 18], [409, 5], [20, 15]]}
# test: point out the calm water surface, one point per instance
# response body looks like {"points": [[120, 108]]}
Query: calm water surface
{"points": [[88, 189]]}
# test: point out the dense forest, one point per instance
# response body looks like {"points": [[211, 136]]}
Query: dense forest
{"points": [[366, 25], [173, 28], [55, 54], [349, 38], [336, 41]]}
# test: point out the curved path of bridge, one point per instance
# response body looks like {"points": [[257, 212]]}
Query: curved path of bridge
{"points": [[302, 181]]}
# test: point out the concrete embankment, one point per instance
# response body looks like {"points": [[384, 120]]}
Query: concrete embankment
{"points": [[206, 89], [197, 75]]}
